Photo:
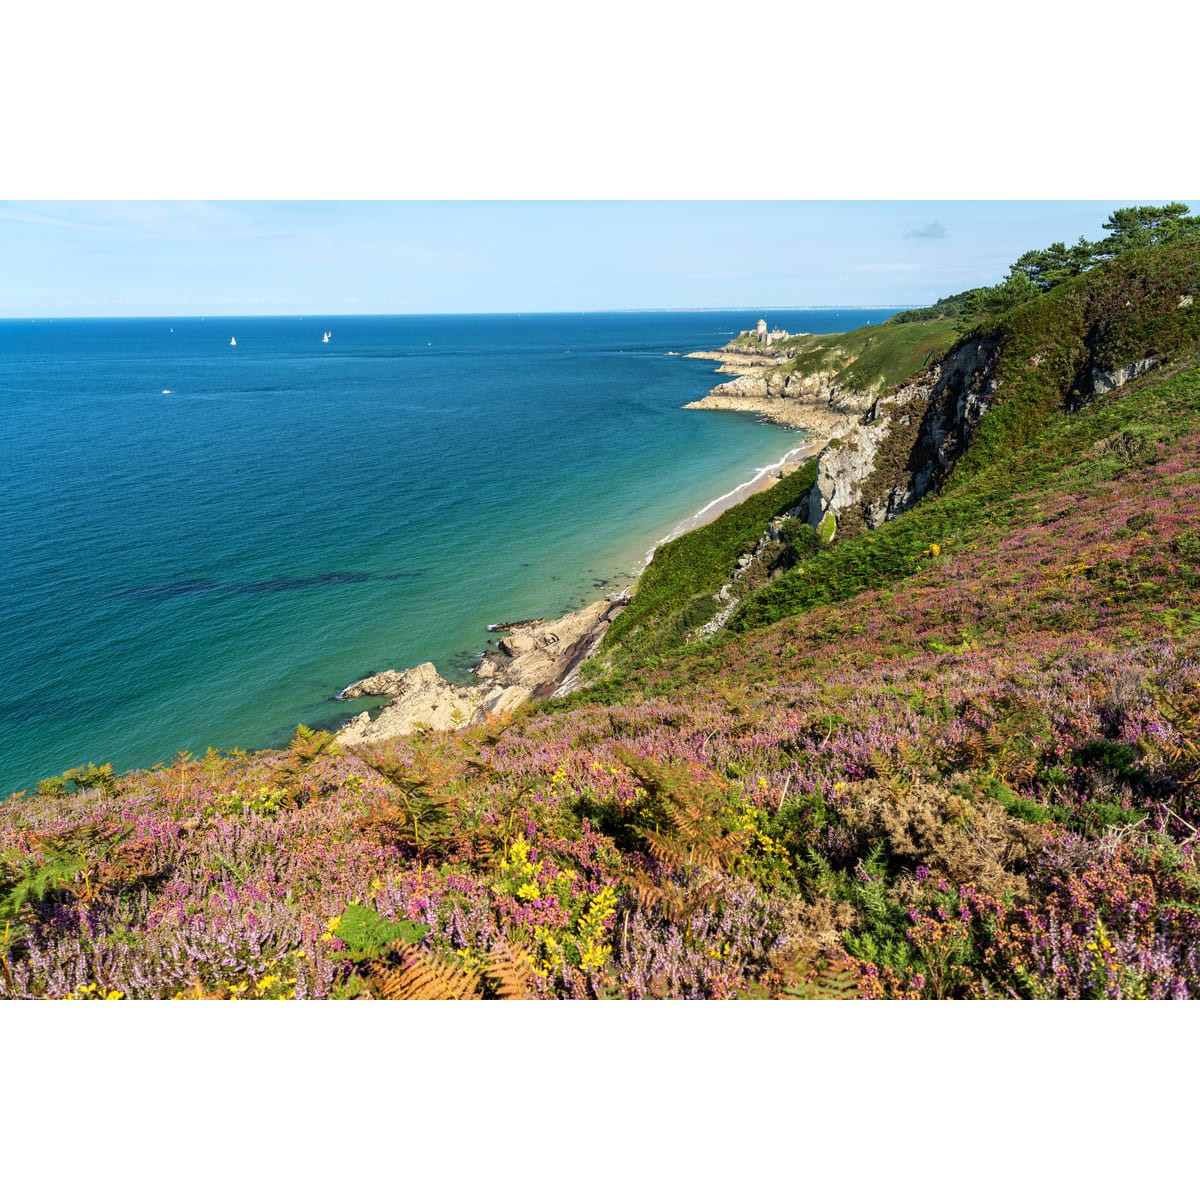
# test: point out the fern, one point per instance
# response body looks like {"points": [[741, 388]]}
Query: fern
{"points": [[417, 974], [833, 980], [370, 935], [33, 881], [686, 825], [308, 744], [509, 973], [803, 975], [64, 864], [422, 975], [80, 779], [414, 815], [686, 832]]}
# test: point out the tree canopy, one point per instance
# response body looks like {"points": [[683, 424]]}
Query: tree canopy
{"points": [[1037, 271]]}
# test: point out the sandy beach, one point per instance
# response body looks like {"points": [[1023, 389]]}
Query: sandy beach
{"points": [[764, 478]]}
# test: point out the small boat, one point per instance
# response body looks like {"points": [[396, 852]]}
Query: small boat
{"points": [[326, 338], [233, 341]]}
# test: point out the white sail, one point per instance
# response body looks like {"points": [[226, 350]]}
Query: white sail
{"points": [[233, 341]]}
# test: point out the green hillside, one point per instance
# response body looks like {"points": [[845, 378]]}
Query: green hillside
{"points": [[873, 358]]}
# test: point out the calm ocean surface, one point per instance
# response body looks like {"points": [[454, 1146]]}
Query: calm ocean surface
{"points": [[200, 543]]}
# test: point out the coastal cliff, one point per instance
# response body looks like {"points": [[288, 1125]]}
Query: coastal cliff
{"points": [[1058, 352], [903, 444], [822, 382], [813, 402], [950, 755]]}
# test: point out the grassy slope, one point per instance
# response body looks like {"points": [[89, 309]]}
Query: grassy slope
{"points": [[873, 358], [966, 774]]}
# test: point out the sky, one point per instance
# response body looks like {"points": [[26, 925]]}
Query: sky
{"points": [[181, 258]]}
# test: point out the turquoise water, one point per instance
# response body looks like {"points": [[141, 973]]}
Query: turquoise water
{"points": [[202, 543]]}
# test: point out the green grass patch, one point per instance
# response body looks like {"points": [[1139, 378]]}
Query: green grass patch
{"points": [[873, 358]]}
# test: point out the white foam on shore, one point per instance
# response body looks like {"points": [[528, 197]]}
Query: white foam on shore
{"points": [[714, 508]]}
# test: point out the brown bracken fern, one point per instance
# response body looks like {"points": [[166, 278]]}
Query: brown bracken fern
{"points": [[684, 828], [413, 815], [801, 974], [422, 975], [425, 975]]}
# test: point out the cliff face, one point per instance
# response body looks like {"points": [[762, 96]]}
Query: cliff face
{"points": [[1079, 341], [823, 382], [903, 445]]}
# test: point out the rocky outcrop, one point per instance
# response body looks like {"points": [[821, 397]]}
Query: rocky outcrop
{"points": [[1109, 381], [421, 698], [897, 451], [734, 361], [813, 401], [536, 660], [386, 683], [536, 655]]}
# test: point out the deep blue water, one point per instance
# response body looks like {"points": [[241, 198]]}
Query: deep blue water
{"points": [[201, 543]]}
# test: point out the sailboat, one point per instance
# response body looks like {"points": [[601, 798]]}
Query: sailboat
{"points": [[325, 338], [233, 341]]}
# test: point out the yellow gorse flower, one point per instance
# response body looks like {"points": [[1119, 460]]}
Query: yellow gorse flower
{"points": [[90, 991], [594, 953]]}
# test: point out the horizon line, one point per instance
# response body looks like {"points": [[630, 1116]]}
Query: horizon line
{"points": [[553, 312]]}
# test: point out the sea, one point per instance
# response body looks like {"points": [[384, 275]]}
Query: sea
{"points": [[211, 525]]}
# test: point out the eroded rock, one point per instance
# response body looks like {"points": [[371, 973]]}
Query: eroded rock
{"points": [[385, 683], [539, 659]]}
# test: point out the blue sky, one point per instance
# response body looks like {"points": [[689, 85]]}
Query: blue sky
{"points": [[176, 258]]}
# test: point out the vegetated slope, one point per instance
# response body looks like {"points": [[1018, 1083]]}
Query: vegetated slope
{"points": [[966, 764], [842, 372], [675, 595], [871, 359], [950, 429]]}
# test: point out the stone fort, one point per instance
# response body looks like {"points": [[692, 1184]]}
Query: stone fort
{"points": [[760, 334]]}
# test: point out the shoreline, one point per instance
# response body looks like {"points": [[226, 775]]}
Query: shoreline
{"points": [[814, 417], [764, 477], [817, 406], [541, 658], [538, 659]]}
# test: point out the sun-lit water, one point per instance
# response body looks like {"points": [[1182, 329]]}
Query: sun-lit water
{"points": [[202, 543]]}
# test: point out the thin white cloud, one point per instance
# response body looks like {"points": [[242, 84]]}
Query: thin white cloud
{"points": [[935, 229], [885, 266], [10, 213], [180, 219]]}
